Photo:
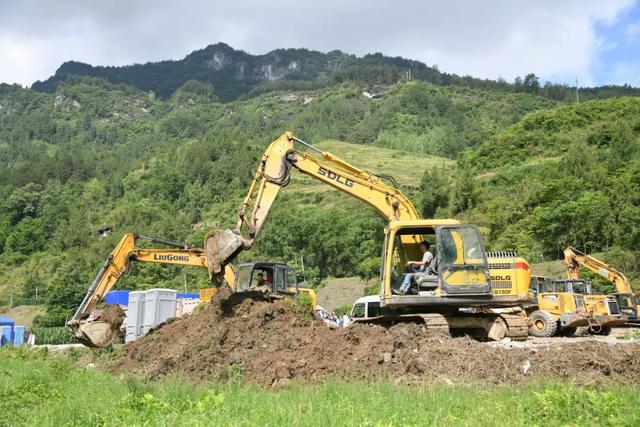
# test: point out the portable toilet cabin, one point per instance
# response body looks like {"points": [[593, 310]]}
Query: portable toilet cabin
{"points": [[7, 326]]}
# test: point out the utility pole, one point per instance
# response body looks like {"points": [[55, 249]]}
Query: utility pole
{"points": [[577, 94]]}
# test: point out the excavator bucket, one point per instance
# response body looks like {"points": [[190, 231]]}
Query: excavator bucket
{"points": [[220, 247], [100, 328], [95, 334]]}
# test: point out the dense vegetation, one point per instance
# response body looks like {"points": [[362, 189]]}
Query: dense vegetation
{"points": [[235, 73], [36, 389], [95, 153], [576, 173]]}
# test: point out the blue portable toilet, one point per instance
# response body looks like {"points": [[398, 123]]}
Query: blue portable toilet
{"points": [[8, 330], [18, 337]]}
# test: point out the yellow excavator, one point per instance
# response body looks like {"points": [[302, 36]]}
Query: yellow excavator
{"points": [[626, 300], [455, 293], [94, 328]]}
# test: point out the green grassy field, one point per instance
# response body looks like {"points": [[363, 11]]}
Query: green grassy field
{"points": [[39, 389], [406, 168]]}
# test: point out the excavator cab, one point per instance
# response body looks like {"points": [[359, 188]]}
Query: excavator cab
{"points": [[277, 278], [460, 266]]}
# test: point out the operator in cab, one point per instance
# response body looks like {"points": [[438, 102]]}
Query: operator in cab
{"points": [[418, 266]]}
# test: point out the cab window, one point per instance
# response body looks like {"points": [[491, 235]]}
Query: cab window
{"points": [[244, 275], [373, 309], [461, 246], [279, 284], [291, 279], [358, 311]]}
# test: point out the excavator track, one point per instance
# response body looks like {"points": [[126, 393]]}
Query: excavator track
{"points": [[491, 326], [517, 326]]}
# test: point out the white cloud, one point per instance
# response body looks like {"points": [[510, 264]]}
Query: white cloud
{"points": [[633, 30], [486, 39], [626, 72]]}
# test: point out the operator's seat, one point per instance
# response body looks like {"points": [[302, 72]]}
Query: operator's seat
{"points": [[425, 281]]}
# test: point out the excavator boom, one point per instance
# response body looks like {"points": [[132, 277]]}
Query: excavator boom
{"points": [[274, 172]]}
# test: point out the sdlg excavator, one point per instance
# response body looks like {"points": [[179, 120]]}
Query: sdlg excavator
{"points": [[458, 292]]}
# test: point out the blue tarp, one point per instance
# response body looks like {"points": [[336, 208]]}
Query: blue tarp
{"points": [[122, 297], [7, 321]]}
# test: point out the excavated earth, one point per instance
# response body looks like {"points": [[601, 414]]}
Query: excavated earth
{"points": [[273, 343]]}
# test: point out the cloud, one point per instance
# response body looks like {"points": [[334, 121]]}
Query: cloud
{"points": [[556, 40], [633, 30], [626, 72]]}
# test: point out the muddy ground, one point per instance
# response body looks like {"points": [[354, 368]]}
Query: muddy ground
{"points": [[273, 343]]}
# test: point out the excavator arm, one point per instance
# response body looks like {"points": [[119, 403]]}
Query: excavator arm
{"points": [[627, 300], [573, 259], [95, 329], [274, 173]]}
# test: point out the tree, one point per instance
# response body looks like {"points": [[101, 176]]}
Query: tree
{"points": [[465, 195], [531, 83], [435, 187]]}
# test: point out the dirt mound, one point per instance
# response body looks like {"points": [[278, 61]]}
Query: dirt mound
{"points": [[274, 342]]}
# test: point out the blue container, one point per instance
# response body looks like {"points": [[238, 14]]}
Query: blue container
{"points": [[188, 296], [7, 326], [18, 337], [117, 297], [122, 297], [7, 334]]}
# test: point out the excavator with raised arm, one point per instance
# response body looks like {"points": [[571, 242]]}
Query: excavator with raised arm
{"points": [[457, 292], [626, 300], [96, 328], [92, 326]]}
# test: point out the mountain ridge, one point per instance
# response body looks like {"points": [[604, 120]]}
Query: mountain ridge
{"points": [[234, 73]]}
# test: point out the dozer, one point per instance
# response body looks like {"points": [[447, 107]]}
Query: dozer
{"points": [[94, 329], [555, 311], [458, 295], [564, 305], [626, 299], [604, 312]]}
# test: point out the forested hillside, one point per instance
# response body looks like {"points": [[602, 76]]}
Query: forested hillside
{"points": [[533, 173]]}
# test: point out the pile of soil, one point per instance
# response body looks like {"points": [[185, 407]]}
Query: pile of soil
{"points": [[273, 343]]}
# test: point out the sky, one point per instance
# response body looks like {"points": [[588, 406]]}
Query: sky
{"points": [[594, 41]]}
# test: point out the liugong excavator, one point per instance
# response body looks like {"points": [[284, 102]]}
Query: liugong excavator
{"points": [[627, 301], [458, 296], [95, 329]]}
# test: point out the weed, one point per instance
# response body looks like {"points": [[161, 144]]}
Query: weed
{"points": [[41, 389]]}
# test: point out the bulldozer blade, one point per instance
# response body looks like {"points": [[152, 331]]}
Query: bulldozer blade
{"points": [[220, 247]]}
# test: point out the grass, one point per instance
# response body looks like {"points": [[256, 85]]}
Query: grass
{"points": [[406, 168], [23, 314], [38, 389], [54, 335]]}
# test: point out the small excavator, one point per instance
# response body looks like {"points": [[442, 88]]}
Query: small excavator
{"points": [[458, 293], [94, 328], [625, 299]]}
